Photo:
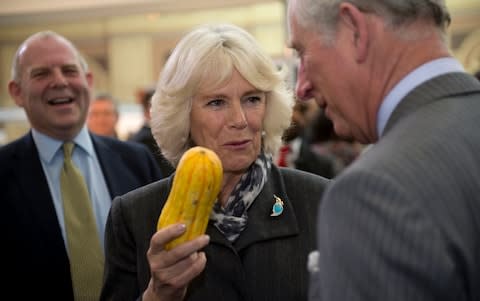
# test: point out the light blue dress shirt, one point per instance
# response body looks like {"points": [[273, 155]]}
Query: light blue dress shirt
{"points": [[85, 158], [411, 81]]}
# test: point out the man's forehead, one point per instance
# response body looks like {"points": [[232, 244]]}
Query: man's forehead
{"points": [[292, 35], [52, 52], [48, 43]]}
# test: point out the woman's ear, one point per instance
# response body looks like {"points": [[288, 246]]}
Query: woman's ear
{"points": [[357, 22]]}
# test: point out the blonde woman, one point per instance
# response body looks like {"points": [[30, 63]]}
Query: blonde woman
{"points": [[219, 90]]}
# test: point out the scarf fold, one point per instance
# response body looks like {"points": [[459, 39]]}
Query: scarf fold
{"points": [[232, 219]]}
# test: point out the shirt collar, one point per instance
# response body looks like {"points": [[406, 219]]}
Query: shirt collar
{"points": [[48, 146], [418, 76]]}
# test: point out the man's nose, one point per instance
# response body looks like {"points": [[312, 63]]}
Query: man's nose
{"points": [[58, 78], [303, 86]]}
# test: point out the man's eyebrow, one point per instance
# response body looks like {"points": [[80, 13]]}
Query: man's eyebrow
{"points": [[69, 65], [37, 69]]}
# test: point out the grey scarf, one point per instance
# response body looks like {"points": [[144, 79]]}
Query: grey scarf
{"points": [[232, 219]]}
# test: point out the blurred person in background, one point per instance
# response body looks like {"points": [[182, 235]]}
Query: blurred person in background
{"points": [[325, 142], [103, 115], [402, 221], [296, 150], [220, 90], [144, 134], [52, 83]]}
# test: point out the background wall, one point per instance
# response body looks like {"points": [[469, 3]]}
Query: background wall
{"points": [[126, 42]]}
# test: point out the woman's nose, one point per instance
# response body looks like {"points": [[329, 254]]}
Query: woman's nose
{"points": [[238, 117]]}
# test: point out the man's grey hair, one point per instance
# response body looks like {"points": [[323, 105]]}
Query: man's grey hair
{"points": [[318, 14], [16, 71]]}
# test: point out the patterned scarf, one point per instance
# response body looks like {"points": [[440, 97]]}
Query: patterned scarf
{"points": [[232, 219]]}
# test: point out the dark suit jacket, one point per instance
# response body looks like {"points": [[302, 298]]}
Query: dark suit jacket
{"points": [[403, 223], [144, 136], [310, 161], [35, 262], [267, 262]]}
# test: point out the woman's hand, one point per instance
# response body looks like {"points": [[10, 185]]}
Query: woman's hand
{"points": [[171, 271]]}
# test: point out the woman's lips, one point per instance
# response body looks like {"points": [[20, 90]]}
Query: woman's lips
{"points": [[237, 144]]}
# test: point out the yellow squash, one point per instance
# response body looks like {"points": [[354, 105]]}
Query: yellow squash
{"points": [[196, 184]]}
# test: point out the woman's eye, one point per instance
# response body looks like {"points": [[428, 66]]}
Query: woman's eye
{"points": [[215, 102], [254, 99]]}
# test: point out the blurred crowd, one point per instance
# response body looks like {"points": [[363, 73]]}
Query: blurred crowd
{"points": [[310, 143]]}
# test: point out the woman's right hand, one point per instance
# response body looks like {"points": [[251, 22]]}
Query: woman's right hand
{"points": [[171, 271]]}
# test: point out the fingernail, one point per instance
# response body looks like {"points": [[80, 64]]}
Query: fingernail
{"points": [[181, 228], [207, 238]]}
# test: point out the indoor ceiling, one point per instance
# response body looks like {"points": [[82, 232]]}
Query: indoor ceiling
{"points": [[13, 12], [26, 12]]}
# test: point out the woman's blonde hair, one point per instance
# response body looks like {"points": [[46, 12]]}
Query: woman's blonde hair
{"points": [[206, 57]]}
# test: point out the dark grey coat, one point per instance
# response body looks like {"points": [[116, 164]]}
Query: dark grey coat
{"points": [[403, 223], [267, 262]]}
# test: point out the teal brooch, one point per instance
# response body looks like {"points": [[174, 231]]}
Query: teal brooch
{"points": [[277, 208]]}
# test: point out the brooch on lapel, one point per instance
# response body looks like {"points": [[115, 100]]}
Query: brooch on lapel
{"points": [[277, 208]]}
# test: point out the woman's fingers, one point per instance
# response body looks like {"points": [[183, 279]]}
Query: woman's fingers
{"points": [[172, 270], [165, 235], [183, 272], [181, 261], [160, 258]]}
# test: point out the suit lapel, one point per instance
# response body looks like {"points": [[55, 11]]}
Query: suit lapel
{"points": [[34, 185], [440, 87], [108, 159], [261, 226]]}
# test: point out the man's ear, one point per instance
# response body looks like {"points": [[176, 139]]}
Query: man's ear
{"points": [[15, 91], [356, 21], [89, 77]]}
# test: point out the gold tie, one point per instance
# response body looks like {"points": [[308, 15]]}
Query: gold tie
{"points": [[85, 253]]}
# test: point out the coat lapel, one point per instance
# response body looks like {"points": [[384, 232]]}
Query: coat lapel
{"points": [[109, 162], [261, 226], [38, 199], [447, 85]]}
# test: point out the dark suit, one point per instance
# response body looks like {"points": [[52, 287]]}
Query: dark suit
{"points": [[35, 262], [267, 262], [310, 161], [403, 223], [144, 136]]}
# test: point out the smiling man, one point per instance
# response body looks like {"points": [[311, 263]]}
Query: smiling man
{"points": [[51, 82]]}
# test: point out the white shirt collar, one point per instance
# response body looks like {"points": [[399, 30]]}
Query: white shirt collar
{"points": [[48, 146]]}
